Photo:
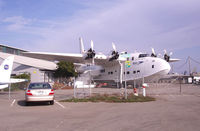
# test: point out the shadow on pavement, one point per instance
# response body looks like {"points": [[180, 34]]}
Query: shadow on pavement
{"points": [[23, 103]]}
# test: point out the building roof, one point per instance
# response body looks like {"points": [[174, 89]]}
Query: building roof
{"points": [[13, 48]]}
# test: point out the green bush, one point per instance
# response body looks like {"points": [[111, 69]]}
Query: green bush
{"points": [[111, 98]]}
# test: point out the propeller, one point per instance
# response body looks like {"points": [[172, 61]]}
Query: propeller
{"points": [[91, 52], [82, 50], [114, 47], [167, 56], [114, 55], [92, 44], [153, 54]]}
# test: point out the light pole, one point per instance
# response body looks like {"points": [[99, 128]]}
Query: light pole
{"points": [[125, 82], [74, 87]]}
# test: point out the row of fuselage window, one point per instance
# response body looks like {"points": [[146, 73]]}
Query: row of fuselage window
{"points": [[128, 72]]}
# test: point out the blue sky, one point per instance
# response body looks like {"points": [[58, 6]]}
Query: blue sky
{"points": [[134, 25]]}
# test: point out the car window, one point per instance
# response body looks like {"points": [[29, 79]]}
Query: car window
{"points": [[39, 86]]}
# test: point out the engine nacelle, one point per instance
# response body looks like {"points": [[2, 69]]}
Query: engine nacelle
{"points": [[94, 70], [166, 57], [90, 54], [114, 56]]}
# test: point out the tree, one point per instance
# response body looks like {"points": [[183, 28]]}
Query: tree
{"points": [[23, 76], [65, 70]]}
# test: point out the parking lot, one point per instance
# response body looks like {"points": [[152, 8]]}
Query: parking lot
{"points": [[172, 110]]}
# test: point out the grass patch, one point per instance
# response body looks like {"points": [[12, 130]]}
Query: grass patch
{"points": [[111, 99]]}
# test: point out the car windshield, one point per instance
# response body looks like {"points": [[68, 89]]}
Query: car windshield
{"points": [[39, 86]]}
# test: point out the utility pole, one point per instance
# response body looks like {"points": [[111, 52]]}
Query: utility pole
{"points": [[121, 74], [9, 85], [180, 81], [90, 80], [74, 87], [125, 81], [189, 65], [172, 68]]}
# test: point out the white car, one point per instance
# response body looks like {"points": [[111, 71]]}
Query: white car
{"points": [[39, 92]]}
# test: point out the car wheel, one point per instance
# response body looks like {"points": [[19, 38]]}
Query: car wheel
{"points": [[51, 102]]}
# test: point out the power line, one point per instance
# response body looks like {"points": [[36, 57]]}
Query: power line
{"points": [[183, 64], [186, 62], [195, 60]]}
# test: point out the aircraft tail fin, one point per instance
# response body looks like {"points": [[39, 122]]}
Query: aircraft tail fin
{"points": [[6, 69], [82, 50]]}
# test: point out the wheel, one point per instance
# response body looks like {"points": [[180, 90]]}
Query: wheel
{"points": [[51, 102]]}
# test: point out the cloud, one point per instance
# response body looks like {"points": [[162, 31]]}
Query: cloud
{"points": [[131, 24], [16, 23]]}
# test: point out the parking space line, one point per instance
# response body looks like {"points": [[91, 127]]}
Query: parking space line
{"points": [[59, 124], [12, 102], [59, 104]]}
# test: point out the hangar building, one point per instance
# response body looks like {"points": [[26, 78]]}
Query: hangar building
{"points": [[40, 70]]}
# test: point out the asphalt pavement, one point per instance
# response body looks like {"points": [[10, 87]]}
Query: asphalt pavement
{"points": [[172, 111]]}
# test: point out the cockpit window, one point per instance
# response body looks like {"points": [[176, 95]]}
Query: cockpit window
{"points": [[143, 55]]}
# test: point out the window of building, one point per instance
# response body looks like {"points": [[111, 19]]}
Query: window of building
{"points": [[138, 71], [1, 49], [152, 66], [127, 72], [132, 58], [134, 72]]}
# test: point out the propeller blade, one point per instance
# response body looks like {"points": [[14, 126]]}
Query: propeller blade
{"points": [[165, 52], [92, 45], [153, 51], [114, 47], [170, 53], [82, 50]]}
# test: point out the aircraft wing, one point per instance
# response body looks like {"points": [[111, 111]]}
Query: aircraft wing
{"points": [[99, 59], [75, 58]]}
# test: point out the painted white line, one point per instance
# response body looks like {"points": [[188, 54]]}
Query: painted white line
{"points": [[59, 124], [12, 102], [59, 104]]}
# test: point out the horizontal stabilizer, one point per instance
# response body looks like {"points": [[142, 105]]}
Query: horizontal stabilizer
{"points": [[3, 86], [12, 80], [173, 60]]}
